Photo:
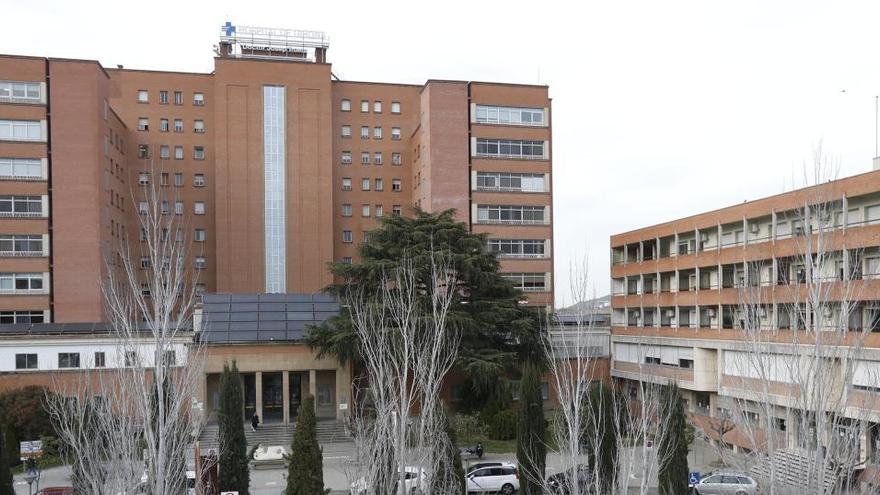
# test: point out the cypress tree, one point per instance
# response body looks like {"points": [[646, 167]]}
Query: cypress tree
{"points": [[305, 469], [233, 469], [450, 474], [531, 450], [600, 424], [672, 449], [5, 472]]}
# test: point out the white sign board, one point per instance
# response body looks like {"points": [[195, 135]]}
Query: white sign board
{"points": [[32, 449]]}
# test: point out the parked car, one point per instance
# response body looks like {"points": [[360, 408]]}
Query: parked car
{"points": [[494, 479], [561, 483], [414, 479], [726, 483], [474, 467]]}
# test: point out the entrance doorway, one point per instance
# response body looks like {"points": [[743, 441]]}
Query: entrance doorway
{"points": [[295, 389], [273, 398], [250, 395]]}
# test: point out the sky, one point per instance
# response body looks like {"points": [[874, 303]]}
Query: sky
{"points": [[660, 109]]}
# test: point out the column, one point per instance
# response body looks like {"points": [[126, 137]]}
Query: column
{"points": [[313, 386], [258, 385], [285, 396]]}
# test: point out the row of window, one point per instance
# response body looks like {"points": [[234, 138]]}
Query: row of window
{"points": [[502, 181], [165, 125], [528, 282], [491, 114], [199, 235], [365, 132], [21, 168], [378, 184], [22, 317], [72, 360], [510, 148], [198, 207], [199, 262], [377, 158], [378, 210], [21, 92], [21, 245], [21, 130], [519, 248], [164, 177], [165, 152], [21, 282], [21, 206], [143, 96], [513, 214], [345, 106]]}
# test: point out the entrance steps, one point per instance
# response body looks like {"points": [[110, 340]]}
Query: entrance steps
{"points": [[328, 431]]}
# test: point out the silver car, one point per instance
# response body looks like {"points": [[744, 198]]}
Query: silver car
{"points": [[726, 483]]}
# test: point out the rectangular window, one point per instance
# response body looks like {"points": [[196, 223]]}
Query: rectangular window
{"points": [[21, 206], [377, 158], [490, 114], [198, 180], [346, 157], [143, 124], [379, 186], [163, 178], [395, 133], [365, 132], [377, 132], [178, 97], [164, 152], [346, 210], [346, 260], [20, 92], [21, 245], [146, 262], [101, 358], [396, 185], [395, 107], [365, 106], [199, 99], [199, 207], [199, 235], [169, 358], [25, 317], [131, 358], [517, 248], [365, 211], [163, 97], [395, 159], [178, 179], [527, 282], [346, 183], [502, 181], [396, 210], [510, 214], [143, 96], [379, 211], [178, 125], [346, 236], [143, 207], [164, 207], [346, 131], [365, 184], [143, 151], [345, 106], [377, 107], [178, 152], [178, 207], [163, 125], [21, 168], [21, 130], [68, 360], [198, 153], [199, 126], [510, 148], [365, 157], [25, 361], [199, 263]]}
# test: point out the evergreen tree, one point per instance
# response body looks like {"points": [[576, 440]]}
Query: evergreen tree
{"points": [[600, 424], [305, 470], [5, 472], [531, 449], [672, 449], [450, 474], [234, 474]]}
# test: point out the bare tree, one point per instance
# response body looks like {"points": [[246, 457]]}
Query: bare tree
{"points": [[129, 426], [408, 345]]}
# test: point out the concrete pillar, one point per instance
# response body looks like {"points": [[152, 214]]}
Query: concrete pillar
{"points": [[285, 395], [313, 386], [258, 385]]}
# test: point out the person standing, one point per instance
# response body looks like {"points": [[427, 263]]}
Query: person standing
{"points": [[255, 422]]}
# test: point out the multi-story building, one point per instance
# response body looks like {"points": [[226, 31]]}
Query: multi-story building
{"points": [[275, 168], [684, 293]]}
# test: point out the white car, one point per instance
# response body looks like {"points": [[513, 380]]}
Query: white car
{"points": [[502, 478], [415, 481], [726, 483]]}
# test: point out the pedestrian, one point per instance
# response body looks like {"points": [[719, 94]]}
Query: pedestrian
{"points": [[255, 422]]}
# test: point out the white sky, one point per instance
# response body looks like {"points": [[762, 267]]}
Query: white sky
{"points": [[662, 109]]}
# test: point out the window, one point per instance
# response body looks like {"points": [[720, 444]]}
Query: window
{"points": [[178, 97], [377, 107], [178, 207], [345, 105], [21, 206], [377, 132], [163, 97], [378, 186], [378, 212], [21, 130], [545, 391], [199, 235], [7, 317], [346, 260], [164, 151], [490, 114], [527, 282], [163, 125], [199, 126], [346, 210], [365, 157], [395, 159], [365, 132], [198, 180], [395, 133], [169, 358], [143, 124], [346, 236], [346, 157], [395, 185], [199, 207], [346, 183], [25, 361], [68, 360], [146, 262], [164, 207], [198, 99], [178, 179], [20, 92], [365, 106], [501, 181], [200, 288], [178, 125], [366, 237], [100, 357], [396, 210], [346, 131], [143, 151], [365, 184], [163, 178], [365, 210], [517, 248], [143, 96], [199, 263], [131, 358], [395, 107], [510, 214], [198, 153], [510, 148], [21, 168], [178, 152], [377, 158]]}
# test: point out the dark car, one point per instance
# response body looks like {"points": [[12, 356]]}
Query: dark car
{"points": [[561, 483], [56, 490]]}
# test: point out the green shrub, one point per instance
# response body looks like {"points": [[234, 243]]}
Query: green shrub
{"points": [[468, 426], [503, 425]]}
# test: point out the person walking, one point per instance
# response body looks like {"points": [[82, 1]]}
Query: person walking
{"points": [[255, 422]]}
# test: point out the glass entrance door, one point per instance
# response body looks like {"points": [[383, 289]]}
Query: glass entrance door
{"points": [[273, 398], [295, 393]]}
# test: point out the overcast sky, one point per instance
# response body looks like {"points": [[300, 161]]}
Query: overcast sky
{"points": [[661, 109]]}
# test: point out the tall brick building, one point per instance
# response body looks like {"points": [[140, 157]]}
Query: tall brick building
{"points": [[277, 166]]}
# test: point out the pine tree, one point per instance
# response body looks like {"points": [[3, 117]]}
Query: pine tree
{"points": [[672, 449], [233, 469], [449, 477], [600, 424], [531, 449], [5, 472], [305, 470]]}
